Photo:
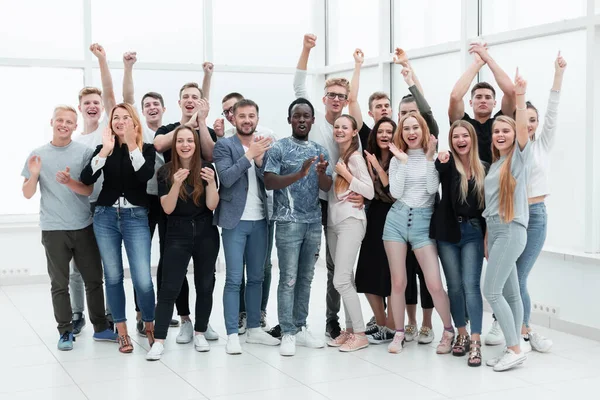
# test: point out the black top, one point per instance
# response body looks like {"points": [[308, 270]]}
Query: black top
{"points": [[163, 130], [120, 179], [184, 208], [470, 207], [363, 135], [444, 221], [484, 135]]}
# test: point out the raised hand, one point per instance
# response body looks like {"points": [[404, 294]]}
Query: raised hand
{"points": [[203, 110], [208, 175], [180, 176], [64, 177], [193, 122], [408, 76], [130, 134], [520, 84], [310, 41], [219, 127], [400, 57], [98, 51], [560, 64], [443, 156], [322, 165], [108, 142], [305, 170], [373, 161], [431, 147], [129, 58], [34, 164], [259, 146], [398, 153], [208, 68], [480, 49], [359, 56]]}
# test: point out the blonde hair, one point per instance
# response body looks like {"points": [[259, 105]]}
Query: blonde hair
{"points": [[508, 183], [64, 107], [89, 90], [343, 82], [399, 140], [137, 124], [477, 170]]}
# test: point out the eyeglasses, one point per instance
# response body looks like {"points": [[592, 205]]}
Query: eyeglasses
{"points": [[225, 113], [340, 96]]}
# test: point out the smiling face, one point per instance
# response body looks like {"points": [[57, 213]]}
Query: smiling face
{"points": [[185, 144], [385, 132], [461, 141], [189, 101], [91, 107], [301, 120], [503, 137], [63, 124], [532, 122], [122, 122], [412, 134], [245, 120], [153, 110], [343, 130]]}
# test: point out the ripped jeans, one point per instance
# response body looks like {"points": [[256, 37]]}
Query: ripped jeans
{"points": [[297, 243]]}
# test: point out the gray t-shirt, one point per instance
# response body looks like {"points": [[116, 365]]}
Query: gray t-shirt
{"points": [[519, 168], [61, 209], [298, 202]]}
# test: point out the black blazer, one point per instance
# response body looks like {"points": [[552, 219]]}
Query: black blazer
{"points": [[120, 179], [444, 221]]}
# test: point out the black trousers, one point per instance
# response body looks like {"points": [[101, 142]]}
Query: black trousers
{"points": [[187, 239]]}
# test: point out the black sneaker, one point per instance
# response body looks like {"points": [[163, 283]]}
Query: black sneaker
{"points": [[371, 322], [242, 322], [140, 327], [78, 323], [275, 331], [371, 330], [333, 329], [174, 323], [383, 335]]}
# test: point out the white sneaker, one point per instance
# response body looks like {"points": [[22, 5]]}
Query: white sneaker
{"points": [[258, 336], [525, 345], [539, 342], [155, 352], [306, 339], [210, 334], [288, 345], [200, 343], [186, 333], [233, 344], [510, 360], [263, 321], [410, 332], [495, 336], [426, 335], [493, 361]]}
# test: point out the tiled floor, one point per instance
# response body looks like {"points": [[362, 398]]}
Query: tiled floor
{"points": [[32, 368]]}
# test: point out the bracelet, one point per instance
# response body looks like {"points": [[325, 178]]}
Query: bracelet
{"points": [[522, 109]]}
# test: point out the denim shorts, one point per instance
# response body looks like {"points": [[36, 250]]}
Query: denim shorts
{"points": [[405, 224]]}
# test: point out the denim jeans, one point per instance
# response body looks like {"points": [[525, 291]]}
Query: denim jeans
{"points": [[247, 241], [297, 246], [462, 263], [129, 226], [266, 287], [536, 236]]}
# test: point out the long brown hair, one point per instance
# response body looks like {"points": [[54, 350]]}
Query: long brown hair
{"points": [[477, 170], [399, 140], [341, 184], [508, 183], [194, 179], [137, 123]]}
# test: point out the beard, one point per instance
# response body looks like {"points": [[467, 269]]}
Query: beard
{"points": [[240, 132]]}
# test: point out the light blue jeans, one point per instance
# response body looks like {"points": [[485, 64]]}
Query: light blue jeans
{"points": [[501, 284], [536, 236], [114, 227], [247, 241], [297, 245]]}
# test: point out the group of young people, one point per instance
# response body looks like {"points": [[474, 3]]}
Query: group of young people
{"points": [[374, 192]]}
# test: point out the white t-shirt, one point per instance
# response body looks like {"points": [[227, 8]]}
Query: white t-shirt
{"points": [[148, 134], [92, 140], [254, 206]]}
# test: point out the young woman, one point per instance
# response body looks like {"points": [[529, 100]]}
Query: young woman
{"points": [[537, 190], [373, 270], [507, 215], [414, 183], [346, 228], [121, 215], [188, 195], [458, 227]]}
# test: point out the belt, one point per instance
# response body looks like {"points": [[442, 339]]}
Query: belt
{"points": [[462, 219]]}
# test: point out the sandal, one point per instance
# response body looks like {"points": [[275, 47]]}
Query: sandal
{"points": [[125, 345], [475, 354], [461, 346]]}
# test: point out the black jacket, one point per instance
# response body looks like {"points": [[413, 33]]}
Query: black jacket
{"points": [[444, 221], [120, 179]]}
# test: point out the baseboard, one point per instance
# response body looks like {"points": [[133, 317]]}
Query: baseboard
{"points": [[38, 279]]}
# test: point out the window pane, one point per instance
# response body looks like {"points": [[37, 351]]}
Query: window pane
{"points": [[352, 24], [507, 15], [265, 32], [159, 33], [426, 23], [53, 30], [29, 95], [539, 73]]}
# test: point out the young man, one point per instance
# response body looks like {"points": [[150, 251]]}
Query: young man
{"points": [[243, 216], [289, 172], [335, 99], [92, 104], [66, 224], [483, 99]]}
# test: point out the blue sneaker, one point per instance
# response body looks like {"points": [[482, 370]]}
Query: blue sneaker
{"points": [[106, 336], [65, 343]]}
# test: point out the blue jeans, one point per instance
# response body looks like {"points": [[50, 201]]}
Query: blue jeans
{"points": [[247, 241], [112, 227], [462, 263], [266, 287], [297, 245], [536, 236]]}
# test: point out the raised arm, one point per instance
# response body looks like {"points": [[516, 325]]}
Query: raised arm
{"points": [[353, 105], [502, 79], [206, 142], [208, 68], [401, 58], [108, 92], [433, 179], [309, 42], [456, 109], [521, 114], [31, 173], [422, 104], [549, 129], [129, 59]]}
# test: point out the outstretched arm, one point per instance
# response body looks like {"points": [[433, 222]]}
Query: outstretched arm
{"points": [[456, 110], [549, 129], [309, 42], [353, 105], [208, 68], [129, 59], [521, 114], [503, 80], [108, 92]]}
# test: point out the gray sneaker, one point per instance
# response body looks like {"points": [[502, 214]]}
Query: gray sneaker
{"points": [[242, 321]]}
